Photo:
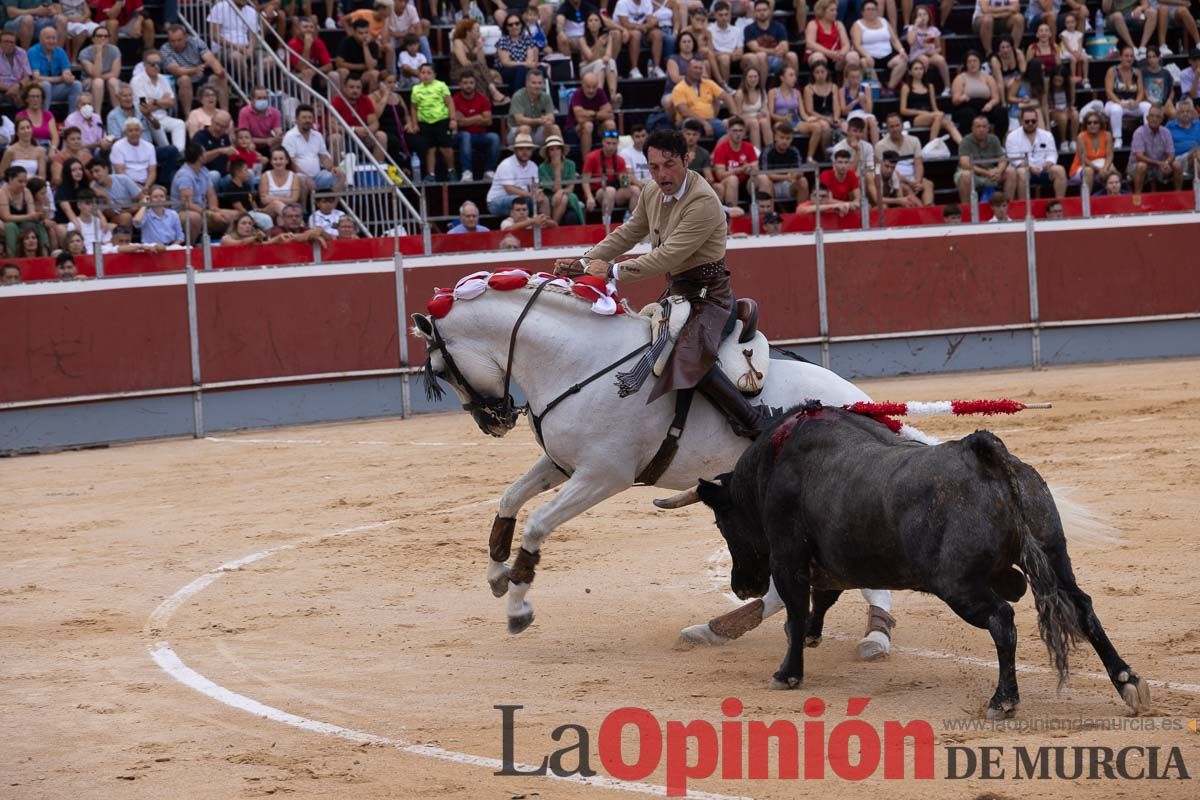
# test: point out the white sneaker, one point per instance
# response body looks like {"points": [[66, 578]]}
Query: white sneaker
{"points": [[1139, 53], [1117, 143], [1064, 148], [487, 176], [656, 72], [1087, 84], [1163, 50], [946, 92], [1073, 146], [467, 176], [330, 24], [636, 74]]}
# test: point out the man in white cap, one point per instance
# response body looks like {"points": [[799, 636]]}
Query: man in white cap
{"points": [[516, 176]]}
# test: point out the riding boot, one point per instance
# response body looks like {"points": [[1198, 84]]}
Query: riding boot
{"points": [[746, 419]]}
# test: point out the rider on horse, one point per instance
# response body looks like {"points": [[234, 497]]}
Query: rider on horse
{"points": [[683, 217]]}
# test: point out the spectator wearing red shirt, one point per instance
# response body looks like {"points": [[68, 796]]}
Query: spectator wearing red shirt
{"points": [[363, 119], [244, 149], [589, 109], [473, 110], [264, 122], [734, 160], [606, 175], [840, 186], [311, 49], [129, 21]]}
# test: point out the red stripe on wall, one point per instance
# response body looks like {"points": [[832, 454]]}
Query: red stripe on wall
{"points": [[81, 343], [924, 284], [299, 326], [1125, 272]]}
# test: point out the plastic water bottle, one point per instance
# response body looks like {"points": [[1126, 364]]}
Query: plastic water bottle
{"points": [[1099, 24], [416, 167]]}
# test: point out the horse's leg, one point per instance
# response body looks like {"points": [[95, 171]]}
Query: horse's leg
{"points": [[578, 494], [727, 627], [877, 641], [543, 475]]}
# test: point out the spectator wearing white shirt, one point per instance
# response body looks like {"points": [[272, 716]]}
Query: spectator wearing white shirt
{"points": [[1033, 148], [728, 42], [635, 154], [327, 216], [134, 156], [516, 176], [308, 152], [154, 98], [229, 26], [637, 18]]}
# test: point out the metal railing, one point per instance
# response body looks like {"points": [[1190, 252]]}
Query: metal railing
{"points": [[363, 165]]}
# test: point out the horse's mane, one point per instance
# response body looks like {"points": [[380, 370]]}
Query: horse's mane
{"points": [[559, 296]]}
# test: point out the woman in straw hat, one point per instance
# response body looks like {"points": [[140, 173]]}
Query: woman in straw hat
{"points": [[559, 177]]}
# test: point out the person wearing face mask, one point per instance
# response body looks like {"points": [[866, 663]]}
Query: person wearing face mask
{"points": [[87, 121], [262, 120]]}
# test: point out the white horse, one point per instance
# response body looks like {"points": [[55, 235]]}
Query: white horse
{"points": [[595, 443]]}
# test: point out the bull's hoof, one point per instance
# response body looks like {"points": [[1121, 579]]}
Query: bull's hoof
{"points": [[812, 641], [1006, 710], [499, 581], [520, 623], [780, 682], [1135, 692], [874, 646], [700, 636]]}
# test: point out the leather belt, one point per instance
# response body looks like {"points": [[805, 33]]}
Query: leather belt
{"points": [[713, 269]]}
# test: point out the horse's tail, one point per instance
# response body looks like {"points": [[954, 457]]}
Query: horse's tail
{"points": [[1058, 622]]}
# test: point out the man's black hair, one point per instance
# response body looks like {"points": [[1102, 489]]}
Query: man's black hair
{"points": [[668, 141], [192, 153], [59, 260]]}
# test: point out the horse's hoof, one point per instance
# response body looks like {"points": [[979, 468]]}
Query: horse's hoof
{"points": [[498, 578], [520, 623], [874, 646], [1006, 710], [812, 641], [700, 636], [1135, 692], [784, 684]]}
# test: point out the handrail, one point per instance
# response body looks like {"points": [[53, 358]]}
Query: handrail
{"points": [[393, 216]]}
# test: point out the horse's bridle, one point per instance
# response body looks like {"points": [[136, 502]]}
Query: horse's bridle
{"points": [[488, 412]]}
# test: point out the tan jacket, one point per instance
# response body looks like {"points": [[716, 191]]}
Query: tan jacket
{"points": [[684, 233]]}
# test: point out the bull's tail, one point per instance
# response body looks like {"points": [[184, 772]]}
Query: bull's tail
{"points": [[1058, 621]]}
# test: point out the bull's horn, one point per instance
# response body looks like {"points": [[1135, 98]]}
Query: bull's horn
{"points": [[684, 498]]}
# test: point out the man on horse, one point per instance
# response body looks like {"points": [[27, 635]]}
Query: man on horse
{"points": [[685, 221]]}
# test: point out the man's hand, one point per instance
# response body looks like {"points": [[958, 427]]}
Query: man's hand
{"points": [[578, 267]]}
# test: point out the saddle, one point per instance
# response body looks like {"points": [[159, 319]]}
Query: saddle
{"points": [[744, 354]]}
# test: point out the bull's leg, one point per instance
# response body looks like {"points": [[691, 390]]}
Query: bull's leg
{"points": [[789, 571], [541, 477], [987, 610], [578, 494], [877, 640], [1133, 689], [822, 601]]}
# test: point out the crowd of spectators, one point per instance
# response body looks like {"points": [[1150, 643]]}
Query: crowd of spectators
{"points": [[122, 129], [774, 93]]}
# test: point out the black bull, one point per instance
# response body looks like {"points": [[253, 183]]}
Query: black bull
{"points": [[830, 500]]}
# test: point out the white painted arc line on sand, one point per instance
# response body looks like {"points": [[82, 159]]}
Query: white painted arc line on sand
{"points": [[170, 662], [720, 579]]}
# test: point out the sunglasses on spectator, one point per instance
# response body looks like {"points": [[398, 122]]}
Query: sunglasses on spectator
{"points": [[153, 63], [611, 135]]}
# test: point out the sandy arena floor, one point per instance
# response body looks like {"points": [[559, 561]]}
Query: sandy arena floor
{"points": [[370, 612]]}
